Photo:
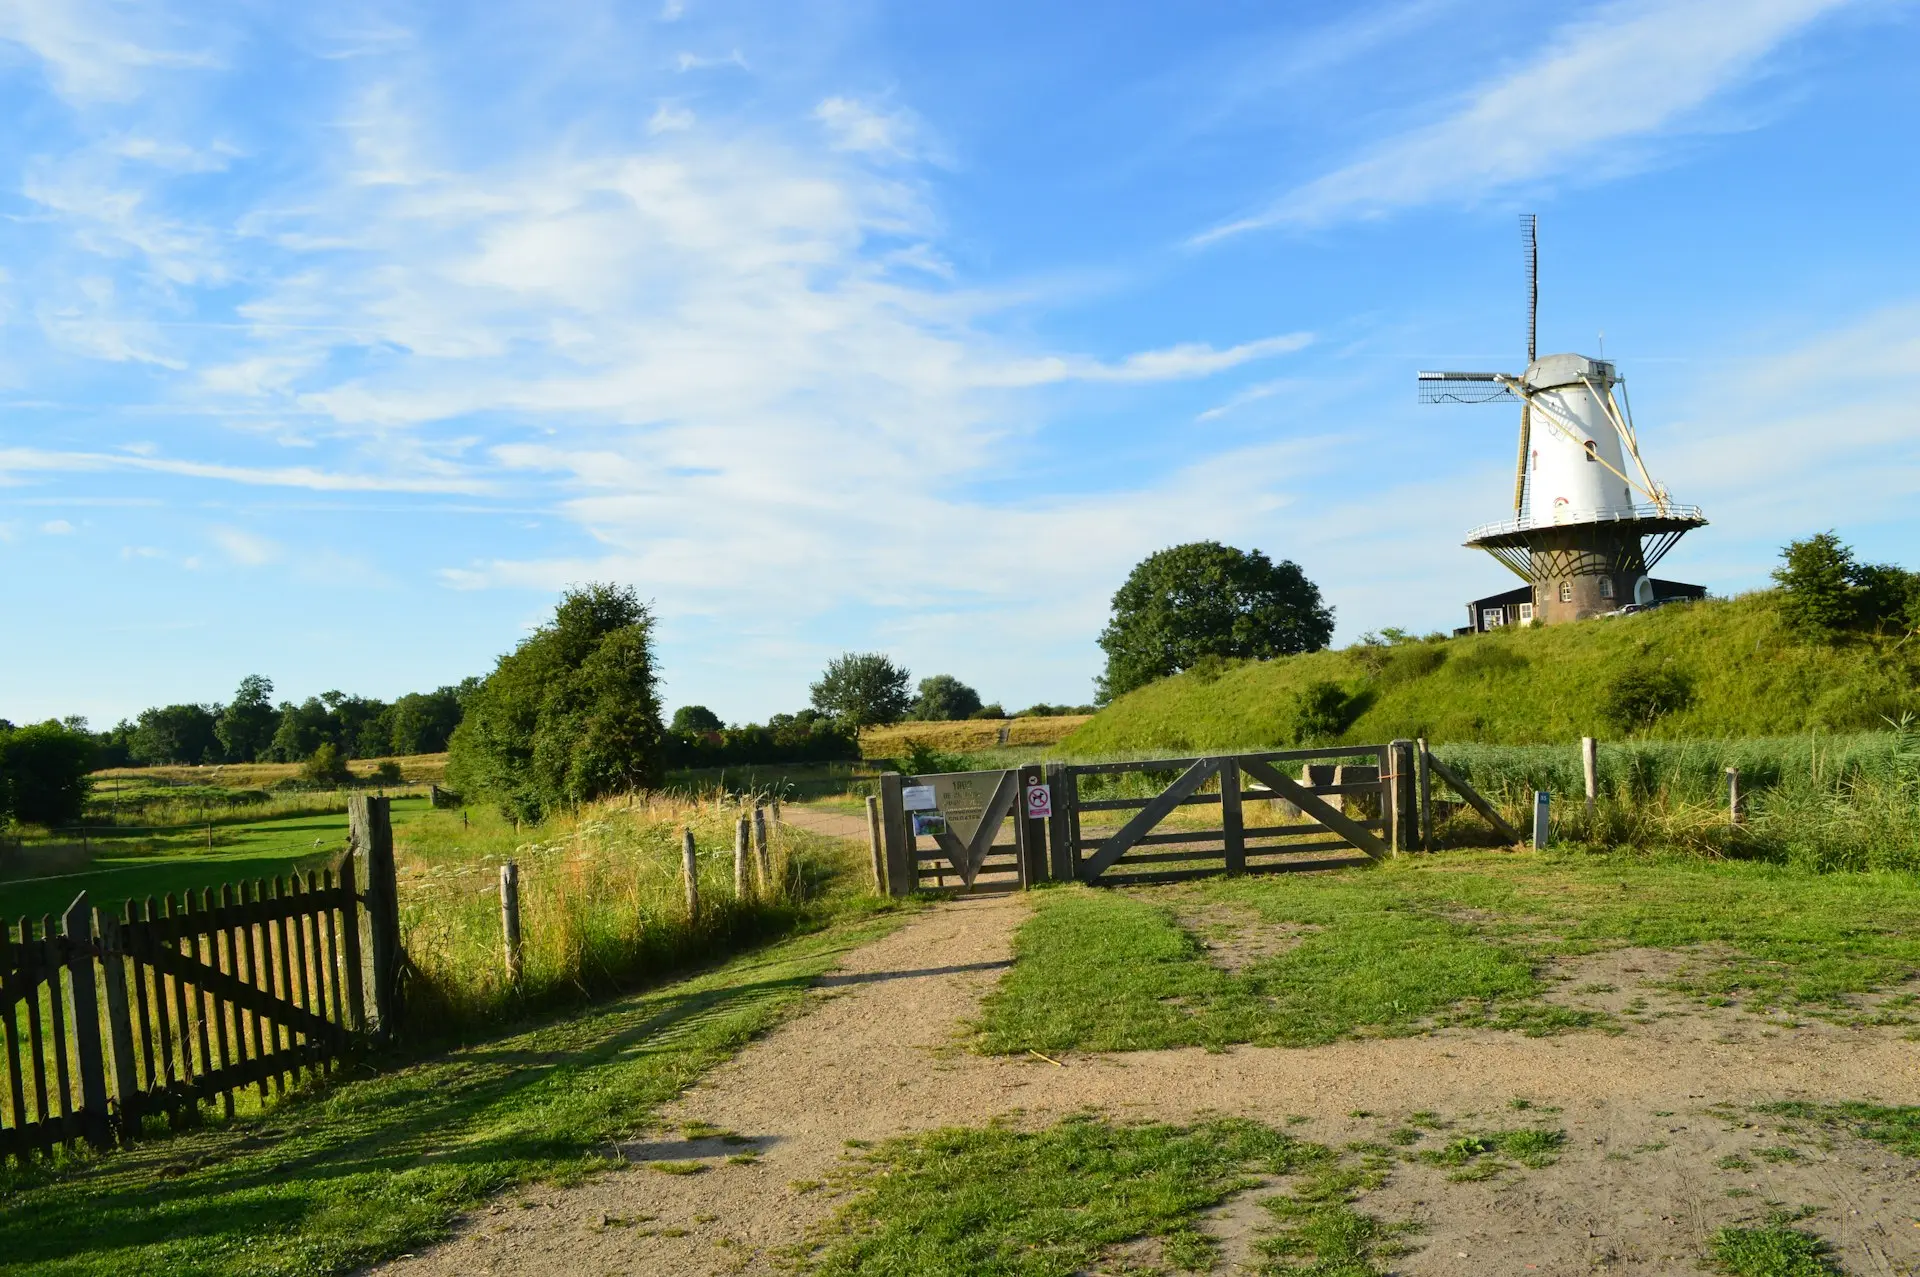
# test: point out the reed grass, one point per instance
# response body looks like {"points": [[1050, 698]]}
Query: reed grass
{"points": [[602, 902]]}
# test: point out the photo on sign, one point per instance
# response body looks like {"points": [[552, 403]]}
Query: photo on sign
{"points": [[929, 823], [918, 798]]}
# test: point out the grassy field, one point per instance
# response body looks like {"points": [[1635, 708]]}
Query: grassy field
{"points": [[415, 769], [1747, 674], [42, 876], [369, 1169], [967, 736], [1405, 946]]}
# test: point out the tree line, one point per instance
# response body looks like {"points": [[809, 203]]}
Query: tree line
{"points": [[252, 729]]}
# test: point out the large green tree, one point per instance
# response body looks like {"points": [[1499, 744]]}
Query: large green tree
{"points": [[43, 773], [1208, 599], [570, 715], [246, 726], [945, 699], [1824, 589], [176, 734], [861, 689]]}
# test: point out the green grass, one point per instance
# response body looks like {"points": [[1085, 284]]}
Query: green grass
{"points": [[1898, 1127], [138, 865], [1773, 1249], [1048, 1202], [1749, 677], [372, 1168], [1458, 938]]}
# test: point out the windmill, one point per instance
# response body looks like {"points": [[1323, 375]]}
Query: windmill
{"points": [[1589, 521]]}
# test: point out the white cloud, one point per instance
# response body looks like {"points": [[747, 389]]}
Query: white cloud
{"points": [[93, 52], [854, 126], [245, 548], [57, 528], [1631, 72], [34, 460], [685, 61], [1252, 394], [669, 118]]}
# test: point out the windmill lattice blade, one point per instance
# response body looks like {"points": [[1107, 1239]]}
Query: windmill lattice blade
{"points": [[1462, 387], [1530, 242]]}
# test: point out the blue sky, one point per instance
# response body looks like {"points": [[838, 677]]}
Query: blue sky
{"points": [[335, 340]]}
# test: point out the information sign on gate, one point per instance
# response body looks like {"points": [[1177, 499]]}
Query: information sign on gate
{"points": [[1039, 801]]}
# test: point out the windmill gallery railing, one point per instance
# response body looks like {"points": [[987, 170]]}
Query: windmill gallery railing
{"points": [[106, 1020], [1161, 820]]}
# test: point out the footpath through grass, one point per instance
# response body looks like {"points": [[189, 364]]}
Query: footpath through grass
{"points": [[373, 1168], [1423, 941]]}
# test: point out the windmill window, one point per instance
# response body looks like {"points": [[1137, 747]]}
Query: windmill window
{"points": [[1606, 587], [1536, 458], [1593, 451], [1566, 591]]}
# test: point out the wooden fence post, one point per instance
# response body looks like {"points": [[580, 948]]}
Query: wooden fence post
{"points": [[760, 854], [126, 1081], [1029, 832], [355, 1003], [1736, 801], [1590, 764], [690, 871], [1426, 796], [1397, 778], [877, 846], [83, 1012], [902, 875], [1233, 825], [370, 835], [510, 918], [742, 876]]}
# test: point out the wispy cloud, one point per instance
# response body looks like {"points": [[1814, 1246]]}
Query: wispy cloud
{"points": [[1629, 73], [34, 460], [94, 51], [856, 126], [248, 549]]}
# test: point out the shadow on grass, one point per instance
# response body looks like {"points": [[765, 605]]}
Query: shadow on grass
{"points": [[359, 1171]]}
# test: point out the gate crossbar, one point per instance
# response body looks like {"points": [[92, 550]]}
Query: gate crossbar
{"points": [[1310, 803], [967, 857], [1149, 816]]}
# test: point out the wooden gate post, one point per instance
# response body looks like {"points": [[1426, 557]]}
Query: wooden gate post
{"points": [[1061, 826], [1030, 832], [1233, 826], [1426, 795], [902, 873], [370, 836], [877, 846], [126, 1082], [1399, 802], [83, 1012], [510, 919]]}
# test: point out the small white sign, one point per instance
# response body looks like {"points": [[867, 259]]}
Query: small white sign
{"points": [[918, 798], [1039, 801]]}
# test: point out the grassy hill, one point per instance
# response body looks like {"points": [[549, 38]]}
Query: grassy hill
{"points": [[1747, 676]]}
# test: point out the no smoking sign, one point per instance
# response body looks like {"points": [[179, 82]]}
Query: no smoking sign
{"points": [[1039, 801]]}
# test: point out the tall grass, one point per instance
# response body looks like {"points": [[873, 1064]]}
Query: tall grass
{"points": [[602, 903], [1821, 803]]}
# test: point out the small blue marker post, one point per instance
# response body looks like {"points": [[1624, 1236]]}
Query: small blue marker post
{"points": [[1541, 829]]}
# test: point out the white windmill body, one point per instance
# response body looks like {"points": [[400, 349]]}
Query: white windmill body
{"points": [[1576, 465], [1589, 521]]}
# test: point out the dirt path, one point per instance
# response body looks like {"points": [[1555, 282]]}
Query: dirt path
{"points": [[1636, 1191]]}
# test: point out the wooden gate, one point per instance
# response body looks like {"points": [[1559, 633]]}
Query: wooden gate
{"points": [[1256, 819], [182, 1002], [945, 832]]}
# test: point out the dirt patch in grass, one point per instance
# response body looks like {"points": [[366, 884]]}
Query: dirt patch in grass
{"points": [[1235, 936]]}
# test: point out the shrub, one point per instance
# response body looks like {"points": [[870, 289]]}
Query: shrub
{"points": [[388, 772], [1638, 698], [325, 766], [1321, 712], [945, 699]]}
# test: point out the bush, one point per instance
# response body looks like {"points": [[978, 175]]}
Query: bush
{"points": [[326, 766], [806, 737], [1638, 698], [570, 715], [388, 772], [1321, 712]]}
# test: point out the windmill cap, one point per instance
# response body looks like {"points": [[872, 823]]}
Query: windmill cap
{"points": [[1549, 371]]}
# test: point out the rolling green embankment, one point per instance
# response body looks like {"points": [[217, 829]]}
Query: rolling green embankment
{"points": [[1747, 675]]}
